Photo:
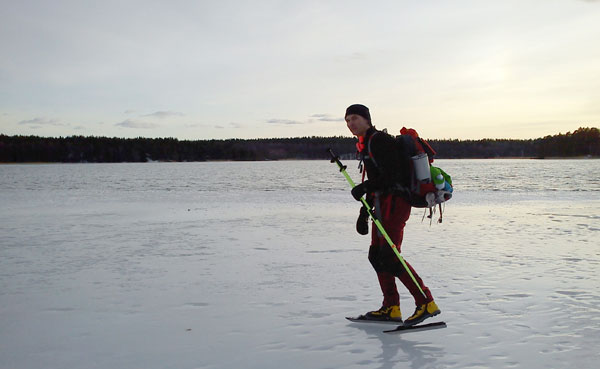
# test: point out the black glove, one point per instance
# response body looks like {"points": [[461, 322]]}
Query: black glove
{"points": [[359, 190], [362, 223]]}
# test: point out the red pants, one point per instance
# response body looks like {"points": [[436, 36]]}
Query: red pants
{"points": [[393, 212]]}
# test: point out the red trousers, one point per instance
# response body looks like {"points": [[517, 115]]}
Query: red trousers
{"points": [[393, 212]]}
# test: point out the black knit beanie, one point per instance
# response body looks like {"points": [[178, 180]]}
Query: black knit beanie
{"points": [[359, 109]]}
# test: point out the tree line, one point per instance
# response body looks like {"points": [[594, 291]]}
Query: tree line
{"points": [[77, 149]]}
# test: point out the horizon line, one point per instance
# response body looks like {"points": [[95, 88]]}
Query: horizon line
{"points": [[288, 138]]}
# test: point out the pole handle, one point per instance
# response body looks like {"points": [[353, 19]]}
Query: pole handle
{"points": [[336, 159]]}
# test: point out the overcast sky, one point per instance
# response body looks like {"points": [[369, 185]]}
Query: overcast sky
{"points": [[244, 69]]}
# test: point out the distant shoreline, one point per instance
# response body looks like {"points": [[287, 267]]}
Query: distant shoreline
{"points": [[280, 160], [582, 143]]}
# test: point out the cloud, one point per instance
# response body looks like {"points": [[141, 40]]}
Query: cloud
{"points": [[164, 114], [232, 125], [326, 118], [130, 123], [283, 121], [312, 119], [37, 122]]}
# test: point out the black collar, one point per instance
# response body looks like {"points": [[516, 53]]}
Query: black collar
{"points": [[370, 133]]}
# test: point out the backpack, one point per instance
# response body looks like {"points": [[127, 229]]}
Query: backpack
{"points": [[428, 185]]}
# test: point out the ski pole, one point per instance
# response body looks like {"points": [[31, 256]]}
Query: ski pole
{"points": [[336, 159]]}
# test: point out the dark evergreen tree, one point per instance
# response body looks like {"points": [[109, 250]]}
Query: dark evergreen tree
{"points": [[581, 142]]}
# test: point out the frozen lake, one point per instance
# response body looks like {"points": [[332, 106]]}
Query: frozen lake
{"points": [[255, 265]]}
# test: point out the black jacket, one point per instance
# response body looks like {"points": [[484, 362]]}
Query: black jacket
{"points": [[385, 161]]}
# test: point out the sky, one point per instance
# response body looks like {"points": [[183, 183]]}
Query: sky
{"points": [[454, 69]]}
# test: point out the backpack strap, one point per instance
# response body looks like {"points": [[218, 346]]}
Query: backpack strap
{"points": [[426, 147], [369, 149]]}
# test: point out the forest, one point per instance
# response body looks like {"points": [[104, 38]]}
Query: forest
{"points": [[583, 142]]}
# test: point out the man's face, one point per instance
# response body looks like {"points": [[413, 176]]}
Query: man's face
{"points": [[357, 124]]}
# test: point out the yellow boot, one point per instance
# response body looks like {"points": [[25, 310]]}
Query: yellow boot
{"points": [[390, 313], [423, 312]]}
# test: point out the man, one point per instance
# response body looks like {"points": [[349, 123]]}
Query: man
{"points": [[385, 169]]}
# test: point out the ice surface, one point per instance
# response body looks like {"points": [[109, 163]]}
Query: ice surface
{"points": [[255, 265]]}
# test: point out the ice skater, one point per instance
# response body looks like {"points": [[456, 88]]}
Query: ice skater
{"points": [[385, 169]]}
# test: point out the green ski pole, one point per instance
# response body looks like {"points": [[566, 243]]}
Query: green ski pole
{"points": [[336, 159]]}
